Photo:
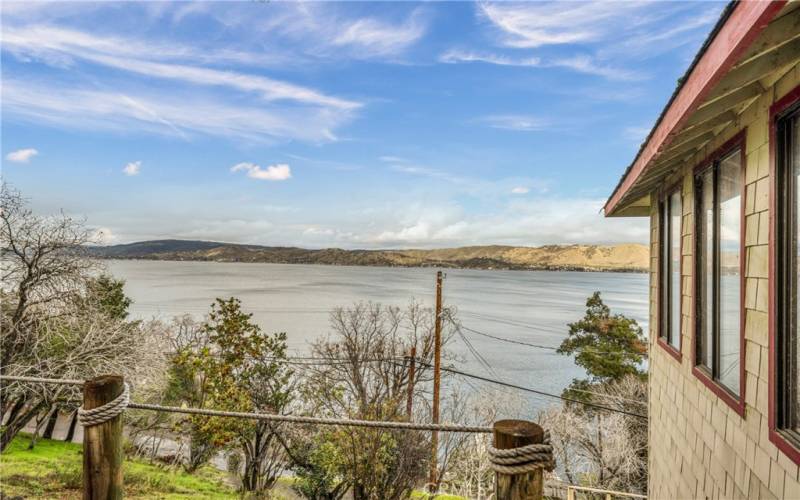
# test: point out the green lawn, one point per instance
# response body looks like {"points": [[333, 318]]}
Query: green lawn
{"points": [[53, 470], [421, 495]]}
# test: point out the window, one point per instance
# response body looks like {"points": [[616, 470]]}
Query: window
{"points": [[787, 278], [671, 214], [718, 308]]}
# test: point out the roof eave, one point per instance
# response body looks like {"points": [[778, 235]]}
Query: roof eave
{"points": [[739, 25]]}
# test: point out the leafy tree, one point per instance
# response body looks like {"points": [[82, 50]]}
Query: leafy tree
{"points": [[610, 347], [235, 366], [109, 295], [604, 448], [317, 465]]}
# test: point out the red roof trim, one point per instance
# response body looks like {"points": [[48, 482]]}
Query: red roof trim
{"points": [[745, 23]]}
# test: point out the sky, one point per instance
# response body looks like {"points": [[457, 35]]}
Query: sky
{"points": [[352, 125]]}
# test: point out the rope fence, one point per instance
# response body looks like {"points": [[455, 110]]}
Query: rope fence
{"points": [[114, 408], [523, 459], [519, 455]]}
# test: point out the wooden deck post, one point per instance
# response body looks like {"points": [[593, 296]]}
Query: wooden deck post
{"points": [[514, 434], [102, 444]]}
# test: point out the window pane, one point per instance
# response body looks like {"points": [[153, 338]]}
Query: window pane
{"points": [[675, 214], [794, 133], [730, 214], [705, 272], [664, 273]]}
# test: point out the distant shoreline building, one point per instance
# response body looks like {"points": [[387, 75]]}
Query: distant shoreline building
{"points": [[719, 178]]}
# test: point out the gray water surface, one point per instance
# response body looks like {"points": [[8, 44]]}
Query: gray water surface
{"points": [[528, 306]]}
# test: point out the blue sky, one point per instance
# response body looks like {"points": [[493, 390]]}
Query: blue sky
{"points": [[356, 125]]}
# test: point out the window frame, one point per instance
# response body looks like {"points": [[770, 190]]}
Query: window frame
{"points": [[703, 373], [664, 226], [787, 441]]}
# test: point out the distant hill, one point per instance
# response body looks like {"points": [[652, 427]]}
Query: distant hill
{"points": [[624, 257]]}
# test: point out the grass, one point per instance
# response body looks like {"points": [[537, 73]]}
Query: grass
{"points": [[53, 470], [421, 495]]}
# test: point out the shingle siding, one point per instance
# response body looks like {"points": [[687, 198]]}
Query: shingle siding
{"points": [[700, 447]]}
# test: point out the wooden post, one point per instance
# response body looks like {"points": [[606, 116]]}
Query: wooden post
{"points": [[413, 360], [102, 444], [514, 434], [437, 364]]}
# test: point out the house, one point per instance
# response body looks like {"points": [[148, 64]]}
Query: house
{"points": [[719, 178]]}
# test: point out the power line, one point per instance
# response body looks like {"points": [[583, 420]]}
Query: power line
{"points": [[487, 366], [538, 346], [319, 361], [536, 391], [511, 341], [476, 354]]}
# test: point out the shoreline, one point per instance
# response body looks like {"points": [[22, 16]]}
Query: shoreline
{"points": [[437, 265]]}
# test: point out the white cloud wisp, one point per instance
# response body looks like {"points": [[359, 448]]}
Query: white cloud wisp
{"points": [[277, 172], [22, 155]]}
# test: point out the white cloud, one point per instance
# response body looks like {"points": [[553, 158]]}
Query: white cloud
{"points": [[178, 114], [603, 31], [520, 190], [22, 155], [277, 172], [132, 168], [535, 24], [423, 171], [380, 38], [57, 46], [587, 64], [520, 123], [461, 56], [392, 159], [527, 222], [581, 63], [377, 220], [104, 236]]}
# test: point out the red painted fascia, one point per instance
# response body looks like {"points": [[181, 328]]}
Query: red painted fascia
{"points": [[774, 435], [745, 23]]}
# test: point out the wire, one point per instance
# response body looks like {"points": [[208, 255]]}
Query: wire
{"points": [[536, 391], [476, 354], [511, 341], [538, 346]]}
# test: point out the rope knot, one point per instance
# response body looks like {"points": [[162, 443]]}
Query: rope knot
{"points": [[106, 412], [523, 459]]}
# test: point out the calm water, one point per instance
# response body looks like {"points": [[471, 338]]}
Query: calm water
{"points": [[522, 305]]}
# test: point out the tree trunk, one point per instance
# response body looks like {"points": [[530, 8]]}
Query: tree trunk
{"points": [[51, 424], [13, 426], [18, 405], [71, 432]]}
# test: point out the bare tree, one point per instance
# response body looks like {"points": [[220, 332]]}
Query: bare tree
{"points": [[43, 264], [49, 324], [365, 378], [601, 448], [467, 472]]}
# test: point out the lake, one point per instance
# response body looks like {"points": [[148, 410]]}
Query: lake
{"points": [[527, 306]]}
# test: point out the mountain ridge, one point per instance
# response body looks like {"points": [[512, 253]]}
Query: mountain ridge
{"points": [[625, 257]]}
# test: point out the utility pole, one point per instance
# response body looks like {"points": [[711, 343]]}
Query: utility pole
{"points": [[437, 364], [413, 360]]}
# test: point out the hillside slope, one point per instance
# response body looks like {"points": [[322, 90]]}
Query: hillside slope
{"points": [[622, 257]]}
